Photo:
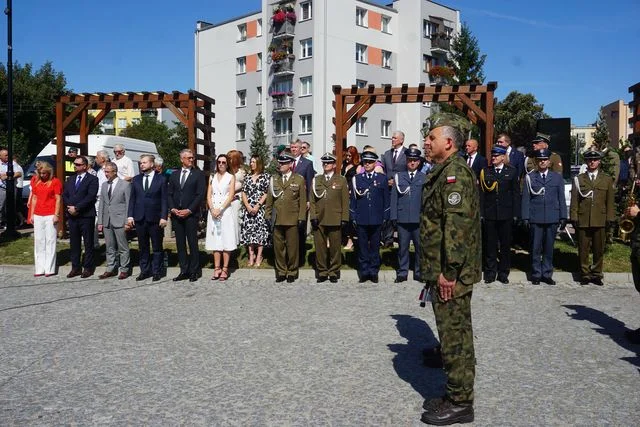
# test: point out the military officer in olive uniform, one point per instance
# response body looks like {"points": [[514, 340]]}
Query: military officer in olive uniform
{"points": [[450, 265], [286, 208], [329, 212], [369, 209], [500, 206], [406, 194], [592, 207], [541, 142]]}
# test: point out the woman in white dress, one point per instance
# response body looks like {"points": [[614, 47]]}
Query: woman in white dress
{"points": [[221, 223]]}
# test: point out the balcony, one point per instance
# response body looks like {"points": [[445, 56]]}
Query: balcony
{"points": [[283, 67], [282, 104], [286, 30], [282, 139], [440, 44]]}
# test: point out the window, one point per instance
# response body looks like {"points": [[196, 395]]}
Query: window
{"points": [[305, 124], [305, 10], [259, 61], [428, 62], [241, 98], [448, 31], [361, 53], [306, 48], [386, 59], [361, 126], [242, 32], [385, 129], [283, 86], [429, 28], [259, 98], [122, 123], [241, 132], [361, 17], [283, 126], [241, 65], [259, 28], [361, 83], [305, 86], [386, 24]]}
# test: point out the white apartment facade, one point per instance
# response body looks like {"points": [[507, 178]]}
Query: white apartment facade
{"points": [[286, 70]]}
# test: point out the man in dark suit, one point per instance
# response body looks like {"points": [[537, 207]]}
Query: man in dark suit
{"points": [[304, 168], [79, 195], [187, 188], [516, 158], [394, 161], [148, 212], [475, 160]]}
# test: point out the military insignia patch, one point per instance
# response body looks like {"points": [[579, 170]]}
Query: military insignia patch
{"points": [[451, 180], [454, 198]]}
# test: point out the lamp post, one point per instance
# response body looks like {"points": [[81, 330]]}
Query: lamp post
{"points": [[10, 201]]}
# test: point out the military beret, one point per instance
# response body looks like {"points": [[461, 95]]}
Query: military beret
{"points": [[328, 158], [286, 157], [413, 153], [369, 155], [497, 149], [543, 154], [592, 155], [446, 119], [542, 137]]}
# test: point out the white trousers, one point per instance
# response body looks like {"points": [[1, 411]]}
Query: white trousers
{"points": [[44, 248]]}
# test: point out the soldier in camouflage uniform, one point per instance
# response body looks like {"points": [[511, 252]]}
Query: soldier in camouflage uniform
{"points": [[632, 212], [451, 264]]}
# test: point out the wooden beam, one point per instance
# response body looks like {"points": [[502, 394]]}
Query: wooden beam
{"points": [[97, 119], [353, 110], [84, 133], [402, 98], [467, 89], [74, 114], [176, 112], [489, 107], [472, 105], [341, 135]]}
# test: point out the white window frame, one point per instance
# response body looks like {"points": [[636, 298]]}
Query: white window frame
{"points": [[385, 129], [361, 126], [259, 61], [361, 53], [386, 59], [306, 86], [241, 132], [385, 24], [429, 28], [288, 126], [242, 32], [428, 61], [241, 65], [308, 5], [306, 48], [362, 17], [361, 83], [121, 121], [306, 124], [241, 98], [448, 31], [259, 98], [259, 28]]}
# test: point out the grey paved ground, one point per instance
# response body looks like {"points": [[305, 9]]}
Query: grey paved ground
{"points": [[252, 352]]}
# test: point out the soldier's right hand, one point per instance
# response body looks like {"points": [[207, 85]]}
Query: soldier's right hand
{"points": [[314, 224], [354, 223], [301, 223]]}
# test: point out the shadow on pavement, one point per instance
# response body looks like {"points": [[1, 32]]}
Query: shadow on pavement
{"points": [[408, 359], [609, 326]]}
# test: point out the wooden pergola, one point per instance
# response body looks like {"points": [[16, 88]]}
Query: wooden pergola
{"points": [[193, 109], [475, 101]]}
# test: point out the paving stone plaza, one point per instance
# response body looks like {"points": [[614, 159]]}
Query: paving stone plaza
{"points": [[253, 352]]}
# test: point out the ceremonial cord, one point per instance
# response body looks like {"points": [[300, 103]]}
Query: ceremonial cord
{"points": [[484, 183]]}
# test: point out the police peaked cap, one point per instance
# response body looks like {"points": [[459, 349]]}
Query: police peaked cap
{"points": [[286, 157], [592, 155], [498, 150], [542, 137], [369, 155], [412, 153], [328, 158], [543, 154]]}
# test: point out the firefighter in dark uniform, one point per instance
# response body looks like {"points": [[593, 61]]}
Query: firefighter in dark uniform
{"points": [[499, 207], [541, 142], [369, 209], [329, 212]]}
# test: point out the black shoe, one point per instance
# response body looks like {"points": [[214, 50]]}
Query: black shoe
{"points": [[489, 278], [374, 279], [143, 276], [86, 273], [535, 281], [181, 276], [156, 277], [280, 279], [597, 281], [291, 279], [74, 272], [333, 279], [504, 280], [322, 279], [432, 358], [193, 277], [633, 336], [429, 404], [400, 280], [584, 281], [447, 412], [548, 280], [363, 279]]}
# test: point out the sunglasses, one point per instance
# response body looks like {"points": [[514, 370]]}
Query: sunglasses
{"points": [[78, 164]]}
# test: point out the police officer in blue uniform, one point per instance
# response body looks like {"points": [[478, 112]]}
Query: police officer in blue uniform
{"points": [[406, 194], [369, 209], [543, 208]]}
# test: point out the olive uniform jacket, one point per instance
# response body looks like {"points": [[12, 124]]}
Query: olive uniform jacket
{"points": [[555, 164], [592, 202], [329, 200], [450, 225], [287, 201]]}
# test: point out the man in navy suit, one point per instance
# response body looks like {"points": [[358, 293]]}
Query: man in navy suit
{"points": [[369, 208], [148, 212], [543, 208], [187, 188], [516, 158], [304, 168], [394, 160], [475, 160], [79, 195], [406, 196]]}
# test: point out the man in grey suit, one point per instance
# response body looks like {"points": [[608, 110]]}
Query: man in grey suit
{"points": [[112, 217], [394, 161]]}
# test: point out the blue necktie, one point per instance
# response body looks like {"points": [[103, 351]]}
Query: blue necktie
{"points": [[78, 181]]}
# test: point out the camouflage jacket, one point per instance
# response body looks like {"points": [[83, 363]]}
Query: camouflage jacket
{"points": [[450, 224]]}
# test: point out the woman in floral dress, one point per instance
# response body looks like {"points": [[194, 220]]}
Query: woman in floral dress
{"points": [[255, 230]]}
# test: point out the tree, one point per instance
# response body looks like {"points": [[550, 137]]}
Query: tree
{"points": [[259, 145], [168, 141], [517, 116], [466, 60], [601, 136]]}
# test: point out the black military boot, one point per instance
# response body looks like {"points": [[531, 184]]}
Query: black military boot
{"points": [[446, 412]]}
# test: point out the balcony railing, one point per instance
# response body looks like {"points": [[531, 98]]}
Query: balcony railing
{"points": [[283, 67], [284, 30], [282, 139], [440, 44], [282, 104]]}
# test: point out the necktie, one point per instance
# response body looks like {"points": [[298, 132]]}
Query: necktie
{"points": [[592, 176], [469, 161], [395, 156], [109, 190], [78, 181], [327, 177], [368, 176], [544, 177], [294, 166], [146, 182], [411, 176], [284, 178], [498, 171], [183, 178]]}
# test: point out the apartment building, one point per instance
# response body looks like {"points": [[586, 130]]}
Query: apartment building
{"points": [[617, 115], [284, 59], [117, 120]]}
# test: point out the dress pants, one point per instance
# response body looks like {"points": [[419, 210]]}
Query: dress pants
{"points": [[285, 247], [82, 229], [115, 239], [498, 248], [302, 240], [150, 231], [542, 238], [186, 230], [591, 239], [328, 260], [368, 250], [407, 233], [44, 244]]}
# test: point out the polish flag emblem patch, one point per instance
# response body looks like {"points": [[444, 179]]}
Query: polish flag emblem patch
{"points": [[451, 179]]}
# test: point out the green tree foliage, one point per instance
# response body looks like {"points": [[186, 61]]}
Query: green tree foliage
{"points": [[34, 93], [168, 141], [259, 145], [601, 136], [466, 59], [516, 115]]}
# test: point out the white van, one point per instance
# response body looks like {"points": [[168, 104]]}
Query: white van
{"points": [[134, 148]]}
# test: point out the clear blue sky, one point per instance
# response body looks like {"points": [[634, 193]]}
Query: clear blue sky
{"points": [[573, 55]]}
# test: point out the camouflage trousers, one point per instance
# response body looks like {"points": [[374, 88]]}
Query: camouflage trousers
{"points": [[453, 320]]}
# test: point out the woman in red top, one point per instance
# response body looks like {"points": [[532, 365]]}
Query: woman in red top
{"points": [[46, 200]]}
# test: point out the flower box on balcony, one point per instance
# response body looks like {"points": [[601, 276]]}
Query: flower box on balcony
{"points": [[441, 71], [280, 94]]}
